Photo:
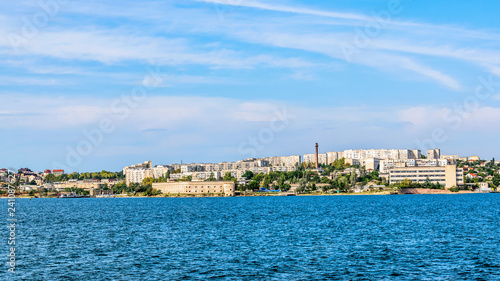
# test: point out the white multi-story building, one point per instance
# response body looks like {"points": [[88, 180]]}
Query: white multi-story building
{"points": [[371, 163], [287, 161], [452, 157], [161, 171], [395, 154], [311, 158], [448, 176], [137, 175], [434, 162], [332, 156], [206, 175], [434, 153]]}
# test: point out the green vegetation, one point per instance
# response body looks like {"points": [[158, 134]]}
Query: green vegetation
{"points": [[406, 183], [333, 179], [85, 176], [79, 191]]}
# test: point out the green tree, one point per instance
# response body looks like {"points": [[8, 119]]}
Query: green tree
{"points": [[151, 192], [253, 185], [302, 186], [148, 182], [120, 187], [267, 181], [406, 183], [227, 176], [353, 178], [50, 178], [259, 177], [439, 186], [281, 181], [285, 187], [248, 175], [427, 183]]}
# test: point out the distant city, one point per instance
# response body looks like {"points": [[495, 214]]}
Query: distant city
{"points": [[370, 168]]}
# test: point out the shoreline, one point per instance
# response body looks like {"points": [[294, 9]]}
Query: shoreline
{"points": [[426, 192]]}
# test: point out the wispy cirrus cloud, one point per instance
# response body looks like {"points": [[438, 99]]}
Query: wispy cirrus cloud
{"points": [[395, 47]]}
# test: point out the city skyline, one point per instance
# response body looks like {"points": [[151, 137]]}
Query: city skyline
{"points": [[325, 157], [214, 81]]}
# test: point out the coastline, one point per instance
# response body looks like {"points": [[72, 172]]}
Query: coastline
{"points": [[413, 191]]}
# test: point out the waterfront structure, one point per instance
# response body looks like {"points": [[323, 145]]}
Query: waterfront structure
{"points": [[99, 192], [448, 176], [84, 184], [227, 188]]}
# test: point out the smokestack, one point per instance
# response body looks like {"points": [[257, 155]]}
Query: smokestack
{"points": [[317, 157]]}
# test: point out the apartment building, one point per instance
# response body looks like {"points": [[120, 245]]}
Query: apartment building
{"points": [[448, 176], [137, 175], [161, 171], [332, 156], [370, 163], [433, 153], [395, 154], [287, 161], [311, 158]]}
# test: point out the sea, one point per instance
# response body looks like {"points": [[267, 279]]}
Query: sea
{"points": [[391, 237]]}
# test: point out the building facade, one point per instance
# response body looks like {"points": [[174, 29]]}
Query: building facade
{"points": [[311, 158], [226, 188], [449, 176], [433, 153]]}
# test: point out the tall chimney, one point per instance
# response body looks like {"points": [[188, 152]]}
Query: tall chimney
{"points": [[317, 157]]}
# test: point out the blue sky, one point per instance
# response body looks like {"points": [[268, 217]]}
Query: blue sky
{"points": [[222, 80]]}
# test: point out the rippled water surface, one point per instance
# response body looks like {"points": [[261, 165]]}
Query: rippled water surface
{"points": [[429, 237]]}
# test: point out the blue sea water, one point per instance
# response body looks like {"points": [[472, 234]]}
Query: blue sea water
{"points": [[404, 237]]}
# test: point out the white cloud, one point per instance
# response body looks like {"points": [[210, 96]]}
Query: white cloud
{"points": [[424, 118], [108, 47], [23, 81], [172, 112]]}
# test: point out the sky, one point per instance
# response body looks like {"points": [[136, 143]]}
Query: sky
{"points": [[97, 85]]}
